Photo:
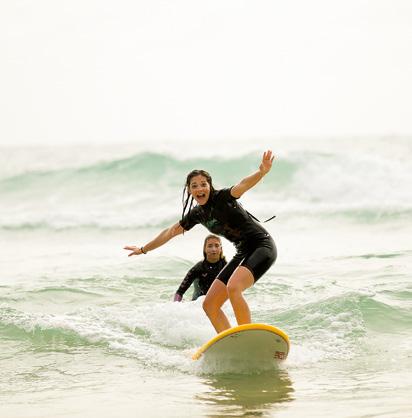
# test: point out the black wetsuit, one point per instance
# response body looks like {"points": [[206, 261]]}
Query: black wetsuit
{"points": [[204, 273], [224, 215]]}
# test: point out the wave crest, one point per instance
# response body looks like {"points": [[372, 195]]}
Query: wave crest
{"points": [[145, 189]]}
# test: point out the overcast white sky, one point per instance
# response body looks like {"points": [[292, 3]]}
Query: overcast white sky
{"points": [[130, 70]]}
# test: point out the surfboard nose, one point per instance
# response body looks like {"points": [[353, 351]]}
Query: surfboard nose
{"points": [[261, 342]]}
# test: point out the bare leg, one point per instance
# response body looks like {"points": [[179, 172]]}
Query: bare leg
{"points": [[214, 300], [241, 279]]}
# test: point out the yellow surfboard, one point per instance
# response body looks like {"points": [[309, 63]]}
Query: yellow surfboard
{"points": [[257, 342]]}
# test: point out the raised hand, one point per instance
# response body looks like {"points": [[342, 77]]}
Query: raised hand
{"points": [[266, 163]]}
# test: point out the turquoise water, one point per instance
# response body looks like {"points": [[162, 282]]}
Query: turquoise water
{"points": [[84, 330]]}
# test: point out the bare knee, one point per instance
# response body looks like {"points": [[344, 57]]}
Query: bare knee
{"points": [[234, 289], [207, 305], [212, 305]]}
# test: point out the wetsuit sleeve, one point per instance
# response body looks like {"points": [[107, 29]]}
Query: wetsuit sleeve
{"points": [[190, 219], [191, 275], [226, 194]]}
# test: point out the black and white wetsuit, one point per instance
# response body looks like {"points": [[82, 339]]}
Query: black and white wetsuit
{"points": [[202, 275], [223, 215]]}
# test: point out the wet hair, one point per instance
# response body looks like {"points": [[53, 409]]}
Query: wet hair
{"points": [[212, 236], [187, 198]]}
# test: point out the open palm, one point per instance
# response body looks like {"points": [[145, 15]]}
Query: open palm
{"points": [[266, 163]]}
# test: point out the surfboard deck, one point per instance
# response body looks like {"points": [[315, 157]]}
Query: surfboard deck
{"points": [[243, 342]]}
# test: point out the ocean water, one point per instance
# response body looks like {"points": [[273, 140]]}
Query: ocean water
{"points": [[87, 331]]}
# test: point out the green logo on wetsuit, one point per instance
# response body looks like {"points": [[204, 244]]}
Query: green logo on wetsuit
{"points": [[211, 223]]}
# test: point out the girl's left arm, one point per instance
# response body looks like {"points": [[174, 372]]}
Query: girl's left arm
{"points": [[250, 181]]}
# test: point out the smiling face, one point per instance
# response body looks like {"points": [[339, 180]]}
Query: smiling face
{"points": [[199, 188]]}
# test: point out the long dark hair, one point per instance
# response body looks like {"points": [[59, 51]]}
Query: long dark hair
{"points": [[187, 198]]}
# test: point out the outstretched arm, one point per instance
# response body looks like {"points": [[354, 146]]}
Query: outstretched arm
{"points": [[250, 181], [161, 239], [186, 283]]}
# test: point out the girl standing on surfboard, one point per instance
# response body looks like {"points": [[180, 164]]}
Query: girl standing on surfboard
{"points": [[203, 273], [221, 213]]}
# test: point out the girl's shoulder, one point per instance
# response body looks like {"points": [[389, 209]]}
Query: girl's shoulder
{"points": [[223, 194]]}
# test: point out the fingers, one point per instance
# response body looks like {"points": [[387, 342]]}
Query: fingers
{"points": [[135, 250], [130, 247], [267, 156], [267, 160]]}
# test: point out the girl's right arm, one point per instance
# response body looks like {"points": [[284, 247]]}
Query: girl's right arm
{"points": [[161, 239]]}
